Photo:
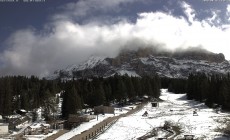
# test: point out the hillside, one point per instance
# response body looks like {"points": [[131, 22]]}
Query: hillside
{"points": [[148, 62]]}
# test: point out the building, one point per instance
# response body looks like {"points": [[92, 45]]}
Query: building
{"points": [[57, 124], [21, 112], [103, 110], [16, 120], [37, 129], [155, 104], [4, 127], [75, 120], [45, 128]]}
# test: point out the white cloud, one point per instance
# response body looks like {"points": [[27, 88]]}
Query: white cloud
{"points": [[215, 19], [228, 12], [29, 52], [189, 11]]}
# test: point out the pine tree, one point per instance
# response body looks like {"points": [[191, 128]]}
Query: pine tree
{"points": [[98, 95], [137, 86], [7, 103], [71, 101], [130, 88], [121, 93]]}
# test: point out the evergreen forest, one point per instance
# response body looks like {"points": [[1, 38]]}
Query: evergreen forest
{"points": [[30, 93]]}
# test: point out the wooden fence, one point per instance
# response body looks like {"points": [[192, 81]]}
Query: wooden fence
{"points": [[100, 127]]}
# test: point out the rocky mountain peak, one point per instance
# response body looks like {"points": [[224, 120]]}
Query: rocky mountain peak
{"points": [[186, 54], [149, 61]]}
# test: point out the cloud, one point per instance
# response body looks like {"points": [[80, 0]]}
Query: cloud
{"points": [[228, 12], [215, 19], [65, 42], [189, 11]]}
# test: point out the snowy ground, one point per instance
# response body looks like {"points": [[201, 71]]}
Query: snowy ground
{"points": [[202, 126], [90, 124], [39, 137]]}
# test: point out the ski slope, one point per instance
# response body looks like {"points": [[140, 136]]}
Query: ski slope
{"points": [[176, 109]]}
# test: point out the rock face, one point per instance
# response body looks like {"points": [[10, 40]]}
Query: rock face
{"points": [[148, 62]]}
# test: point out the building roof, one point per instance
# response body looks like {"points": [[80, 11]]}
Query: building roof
{"points": [[23, 110], [45, 125], [34, 126], [37, 125]]}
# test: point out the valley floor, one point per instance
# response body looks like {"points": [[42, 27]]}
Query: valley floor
{"points": [[175, 109]]}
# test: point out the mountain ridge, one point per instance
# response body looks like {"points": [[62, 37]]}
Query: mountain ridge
{"points": [[148, 62]]}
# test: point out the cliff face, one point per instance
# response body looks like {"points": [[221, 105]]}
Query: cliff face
{"points": [[210, 57], [149, 62]]}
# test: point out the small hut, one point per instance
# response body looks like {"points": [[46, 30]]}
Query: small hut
{"points": [[155, 104], [189, 137]]}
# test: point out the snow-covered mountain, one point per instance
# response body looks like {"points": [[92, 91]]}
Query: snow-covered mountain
{"points": [[147, 62]]}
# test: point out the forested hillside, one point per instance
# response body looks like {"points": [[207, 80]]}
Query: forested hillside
{"points": [[19, 92], [212, 89], [101, 91], [31, 93]]}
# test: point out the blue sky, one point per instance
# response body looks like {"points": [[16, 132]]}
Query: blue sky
{"points": [[40, 37]]}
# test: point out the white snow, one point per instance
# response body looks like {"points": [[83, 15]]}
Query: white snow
{"points": [[91, 123], [90, 63], [129, 73], [175, 108], [202, 126], [40, 137], [83, 127]]}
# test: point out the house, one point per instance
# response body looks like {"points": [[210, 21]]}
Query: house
{"points": [[45, 128], [17, 120], [75, 120], [103, 110], [32, 130], [4, 127], [57, 124], [37, 129]]}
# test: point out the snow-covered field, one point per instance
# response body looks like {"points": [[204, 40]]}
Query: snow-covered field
{"points": [[175, 109], [90, 124]]}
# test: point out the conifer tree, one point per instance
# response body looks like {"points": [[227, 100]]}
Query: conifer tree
{"points": [[130, 88], [71, 101]]}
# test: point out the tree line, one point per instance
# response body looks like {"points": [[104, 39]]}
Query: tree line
{"points": [[20, 92], [212, 89], [29, 93], [103, 91]]}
